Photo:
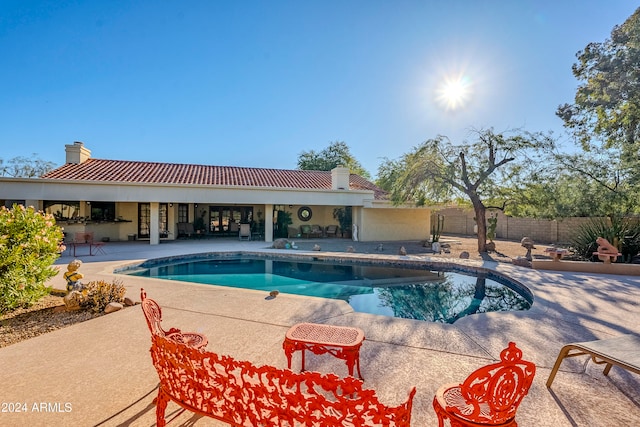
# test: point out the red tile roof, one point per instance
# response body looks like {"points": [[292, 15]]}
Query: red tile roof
{"points": [[175, 173]]}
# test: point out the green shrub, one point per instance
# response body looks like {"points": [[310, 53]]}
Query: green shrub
{"points": [[620, 232], [29, 244], [99, 293]]}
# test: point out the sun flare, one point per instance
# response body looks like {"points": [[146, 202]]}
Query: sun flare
{"points": [[454, 92]]}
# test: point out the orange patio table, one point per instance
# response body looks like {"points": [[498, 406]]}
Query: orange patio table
{"points": [[342, 342]]}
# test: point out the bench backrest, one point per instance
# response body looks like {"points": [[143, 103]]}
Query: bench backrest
{"points": [[240, 393], [152, 314]]}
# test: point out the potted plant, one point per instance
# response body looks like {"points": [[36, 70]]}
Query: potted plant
{"points": [[283, 221], [199, 225], [343, 216]]}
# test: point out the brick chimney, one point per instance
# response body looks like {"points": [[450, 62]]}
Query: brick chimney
{"points": [[77, 153], [340, 178]]}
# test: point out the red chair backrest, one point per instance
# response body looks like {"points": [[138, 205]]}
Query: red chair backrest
{"points": [[500, 387], [152, 313]]}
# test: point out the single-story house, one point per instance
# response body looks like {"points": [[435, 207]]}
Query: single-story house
{"points": [[120, 200]]}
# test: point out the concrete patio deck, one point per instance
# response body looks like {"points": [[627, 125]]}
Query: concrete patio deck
{"points": [[99, 373]]}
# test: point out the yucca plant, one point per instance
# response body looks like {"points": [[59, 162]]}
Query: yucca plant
{"points": [[620, 232]]}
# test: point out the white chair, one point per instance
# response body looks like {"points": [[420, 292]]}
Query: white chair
{"points": [[245, 232]]}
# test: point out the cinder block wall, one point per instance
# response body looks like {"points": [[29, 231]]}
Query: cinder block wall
{"points": [[460, 221]]}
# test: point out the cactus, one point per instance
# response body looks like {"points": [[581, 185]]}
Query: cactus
{"points": [[491, 228], [437, 223]]}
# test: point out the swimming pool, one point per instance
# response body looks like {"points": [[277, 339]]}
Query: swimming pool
{"points": [[421, 291]]}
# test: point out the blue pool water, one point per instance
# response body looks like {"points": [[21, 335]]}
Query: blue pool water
{"points": [[411, 293]]}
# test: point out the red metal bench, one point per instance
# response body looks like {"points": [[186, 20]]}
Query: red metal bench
{"points": [[242, 394], [153, 315]]}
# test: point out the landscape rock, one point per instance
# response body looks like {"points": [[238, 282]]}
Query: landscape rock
{"points": [[464, 255], [281, 244], [522, 262], [129, 302], [113, 306]]}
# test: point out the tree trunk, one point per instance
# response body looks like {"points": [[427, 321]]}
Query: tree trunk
{"points": [[479, 293], [481, 221]]}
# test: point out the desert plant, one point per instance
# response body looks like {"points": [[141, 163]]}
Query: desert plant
{"points": [[344, 218], [283, 221], [199, 224], [492, 222], [99, 293], [437, 223], [30, 242], [620, 232]]}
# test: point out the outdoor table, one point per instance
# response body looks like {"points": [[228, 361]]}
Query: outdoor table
{"points": [[94, 247], [342, 342], [607, 258], [556, 254]]}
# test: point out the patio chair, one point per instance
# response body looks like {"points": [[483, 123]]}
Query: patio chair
{"points": [[305, 231], [490, 395], [245, 232], [292, 232], [622, 351], [153, 315], [316, 231], [185, 229], [331, 230], [233, 227]]}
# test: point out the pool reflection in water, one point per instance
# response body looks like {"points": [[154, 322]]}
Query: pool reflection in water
{"points": [[436, 296]]}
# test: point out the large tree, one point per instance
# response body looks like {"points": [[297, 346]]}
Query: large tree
{"points": [[437, 171], [336, 154], [606, 108], [605, 117], [24, 167], [590, 183]]}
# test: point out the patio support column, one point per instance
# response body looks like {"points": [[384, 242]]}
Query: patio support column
{"points": [[154, 226], [268, 223]]}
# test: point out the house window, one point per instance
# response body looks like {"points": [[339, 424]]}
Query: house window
{"points": [[9, 203], [103, 211], [163, 220], [144, 220], [62, 210], [183, 212]]}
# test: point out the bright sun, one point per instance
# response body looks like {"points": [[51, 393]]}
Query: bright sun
{"points": [[454, 92]]}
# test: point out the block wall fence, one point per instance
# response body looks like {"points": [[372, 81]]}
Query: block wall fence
{"points": [[460, 221]]}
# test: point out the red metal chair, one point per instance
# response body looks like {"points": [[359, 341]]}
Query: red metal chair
{"points": [[490, 396], [153, 315]]}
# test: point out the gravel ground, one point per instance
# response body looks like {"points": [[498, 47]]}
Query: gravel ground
{"points": [[506, 250], [44, 316], [49, 313]]}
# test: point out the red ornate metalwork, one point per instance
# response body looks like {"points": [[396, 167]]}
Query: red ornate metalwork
{"points": [[490, 395], [153, 315], [241, 394], [341, 342]]}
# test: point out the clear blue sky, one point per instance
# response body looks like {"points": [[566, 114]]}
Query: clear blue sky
{"points": [[255, 83]]}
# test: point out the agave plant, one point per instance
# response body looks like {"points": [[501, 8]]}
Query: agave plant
{"points": [[620, 232]]}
